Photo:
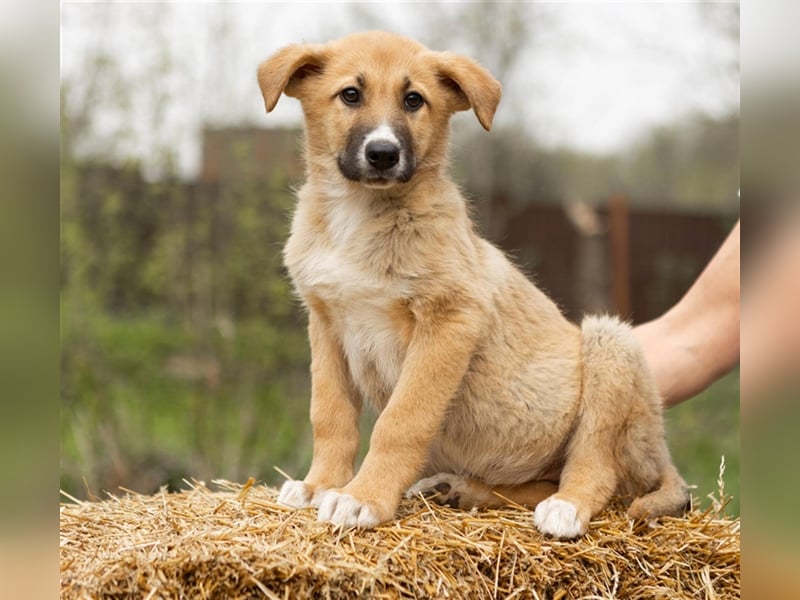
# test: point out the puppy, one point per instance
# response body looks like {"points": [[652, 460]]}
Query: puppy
{"points": [[482, 386]]}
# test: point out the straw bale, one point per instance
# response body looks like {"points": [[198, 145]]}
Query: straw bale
{"points": [[234, 541]]}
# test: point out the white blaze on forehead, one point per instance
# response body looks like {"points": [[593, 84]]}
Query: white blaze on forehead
{"points": [[382, 133]]}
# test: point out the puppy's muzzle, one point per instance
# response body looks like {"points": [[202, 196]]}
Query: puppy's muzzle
{"points": [[378, 156]]}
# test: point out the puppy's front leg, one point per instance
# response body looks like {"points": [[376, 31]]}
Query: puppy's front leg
{"points": [[437, 358], [335, 409]]}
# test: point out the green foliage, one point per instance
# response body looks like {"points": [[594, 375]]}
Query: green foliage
{"points": [[771, 447], [184, 353], [146, 403], [692, 164], [703, 430]]}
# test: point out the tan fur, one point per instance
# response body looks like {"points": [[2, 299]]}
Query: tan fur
{"points": [[475, 371]]}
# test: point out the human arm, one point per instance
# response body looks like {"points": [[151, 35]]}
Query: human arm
{"points": [[697, 340]]}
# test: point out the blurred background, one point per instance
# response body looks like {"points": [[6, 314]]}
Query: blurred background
{"points": [[611, 176]]}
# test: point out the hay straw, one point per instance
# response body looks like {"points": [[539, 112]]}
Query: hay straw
{"points": [[237, 542]]}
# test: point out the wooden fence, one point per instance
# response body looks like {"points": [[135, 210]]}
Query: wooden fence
{"points": [[636, 262]]}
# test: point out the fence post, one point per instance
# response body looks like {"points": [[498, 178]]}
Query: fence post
{"points": [[619, 241], [591, 279]]}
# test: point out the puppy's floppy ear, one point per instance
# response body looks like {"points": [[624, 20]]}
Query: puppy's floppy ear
{"points": [[284, 71], [473, 85]]}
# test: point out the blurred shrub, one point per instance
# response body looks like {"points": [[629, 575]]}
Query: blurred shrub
{"points": [[183, 351], [703, 430]]}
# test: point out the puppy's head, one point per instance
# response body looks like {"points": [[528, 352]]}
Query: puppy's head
{"points": [[377, 105]]}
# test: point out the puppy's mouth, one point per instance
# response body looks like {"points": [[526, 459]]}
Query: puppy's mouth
{"points": [[378, 158], [381, 182]]}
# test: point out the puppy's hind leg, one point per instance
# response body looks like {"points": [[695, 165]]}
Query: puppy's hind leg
{"points": [[644, 458], [457, 491], [672, 497], [609, 399], [588, 481]]}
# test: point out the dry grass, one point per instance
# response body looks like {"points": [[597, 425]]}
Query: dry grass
{"points": [[236, 542]]}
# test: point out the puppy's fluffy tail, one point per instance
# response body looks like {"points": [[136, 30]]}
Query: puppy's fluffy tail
{"points": [[617, 381]]}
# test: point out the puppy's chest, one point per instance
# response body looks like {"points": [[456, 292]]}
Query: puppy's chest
{"points": [[352, 277], [366, 308]]}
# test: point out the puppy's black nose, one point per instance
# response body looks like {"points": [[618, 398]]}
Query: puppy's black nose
{"points": [[382, 155]]}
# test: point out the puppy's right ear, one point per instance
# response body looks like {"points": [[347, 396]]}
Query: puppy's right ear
{"points": [[473, 85], [285, 71]]}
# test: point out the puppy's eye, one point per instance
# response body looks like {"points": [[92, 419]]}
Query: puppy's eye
{"points": [[350, 96], [413, 101]]}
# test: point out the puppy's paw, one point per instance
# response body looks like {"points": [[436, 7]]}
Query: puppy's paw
{"points": [[295, 494], [559, 518], [451, 490], [345, 510], [665, 501]]}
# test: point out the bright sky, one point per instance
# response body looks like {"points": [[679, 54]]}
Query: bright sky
{"points": [[598, 74]]}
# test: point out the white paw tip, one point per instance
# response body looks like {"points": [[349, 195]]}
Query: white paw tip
{"points": [[414, 490], [558, 518], [429, 483], [343, 509], [294, 494], [421, 486]]}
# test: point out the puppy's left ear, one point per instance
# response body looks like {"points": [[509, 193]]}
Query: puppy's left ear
{"points": [[473, 85], [287, 69]]}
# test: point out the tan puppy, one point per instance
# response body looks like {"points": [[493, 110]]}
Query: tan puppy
{"points": [[476, 374]]}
